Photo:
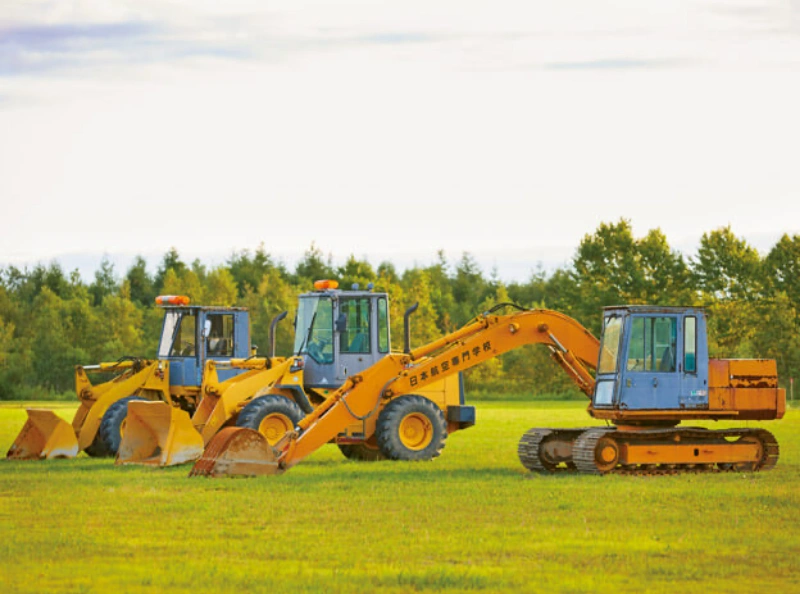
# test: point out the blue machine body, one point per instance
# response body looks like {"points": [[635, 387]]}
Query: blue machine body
{"points": [[652, 358], [191, 335]]}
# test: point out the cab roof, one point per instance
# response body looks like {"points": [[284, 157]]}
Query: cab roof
{"points": [[336, 293], [645, 309], [202, 308]]}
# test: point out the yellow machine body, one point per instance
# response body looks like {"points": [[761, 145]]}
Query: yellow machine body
{"points": [[222, 400], [158, 434], [45, 435], [149, 379]]}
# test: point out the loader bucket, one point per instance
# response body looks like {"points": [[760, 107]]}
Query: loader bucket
{"points": [[237, 451], [157, 434], [44, 436]]}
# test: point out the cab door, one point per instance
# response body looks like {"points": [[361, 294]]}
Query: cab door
{"points": [[179, 345], [694, 372], [219, 341], [650, 378], [357, 336]]}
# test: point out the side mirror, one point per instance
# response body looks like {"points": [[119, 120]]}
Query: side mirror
{"points": [[206, 328], [341, 323]]}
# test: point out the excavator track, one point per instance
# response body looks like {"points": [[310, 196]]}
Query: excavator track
{"points": [[605, 450], [548, 450]]}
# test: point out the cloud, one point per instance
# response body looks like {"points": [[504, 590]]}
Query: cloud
{"points": [[611, 64], [395, 38], [43, 48]]}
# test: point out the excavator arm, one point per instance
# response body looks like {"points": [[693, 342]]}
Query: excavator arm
{"points": [[573, 347]]}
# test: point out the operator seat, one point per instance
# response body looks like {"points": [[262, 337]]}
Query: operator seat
{"points": [[360, 344]]}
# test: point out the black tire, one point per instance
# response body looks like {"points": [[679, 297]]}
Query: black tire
{"points": [[411, 428], [98, 449], [285, 412], [361, 452], [109, 436]]}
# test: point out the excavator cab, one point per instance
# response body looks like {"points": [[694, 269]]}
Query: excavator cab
{"points": [[340, 333], [652, 358], [192, 334]]}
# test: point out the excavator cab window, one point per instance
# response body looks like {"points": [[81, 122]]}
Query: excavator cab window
{"points": [[219, 342], [356, 336], [653, 344], [690, 344], [314, 329], [179, 336], [609, 345]]}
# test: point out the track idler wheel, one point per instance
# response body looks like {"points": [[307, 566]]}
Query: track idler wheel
{"points": [[595, 452]]}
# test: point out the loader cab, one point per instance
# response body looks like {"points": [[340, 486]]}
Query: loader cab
{"points": [[192, 334], [340, 333], [652, 358]]}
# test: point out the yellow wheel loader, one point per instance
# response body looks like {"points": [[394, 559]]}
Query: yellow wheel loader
{"points": [[337, 333], [651, 372], [191, 337]]}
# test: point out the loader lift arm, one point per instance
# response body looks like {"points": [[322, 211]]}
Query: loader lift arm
{"points": [[490, 335]]}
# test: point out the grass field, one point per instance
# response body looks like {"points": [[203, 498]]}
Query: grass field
{"points": [[473, 520]]}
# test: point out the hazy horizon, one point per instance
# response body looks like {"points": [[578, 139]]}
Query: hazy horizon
{"points": [[511, 268]]}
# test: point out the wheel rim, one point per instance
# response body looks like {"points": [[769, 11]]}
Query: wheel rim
{"points": [[416, 431], [275, 426]]}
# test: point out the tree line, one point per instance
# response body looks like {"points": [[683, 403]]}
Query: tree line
{"points": [[51, 320]]}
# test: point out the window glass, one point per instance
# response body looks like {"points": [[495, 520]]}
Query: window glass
{"points": [[609, 345], [219, 342], [636, 346], [314, 331], [184, 344], [383, 326], [356, 338], [171, 319], [690, 344], [604, 393], [652, 344]]}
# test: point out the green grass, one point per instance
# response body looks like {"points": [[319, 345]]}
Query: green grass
{"points": [[473, 520]]}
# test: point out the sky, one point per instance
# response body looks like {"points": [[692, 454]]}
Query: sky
{"points": [[392, 130]]}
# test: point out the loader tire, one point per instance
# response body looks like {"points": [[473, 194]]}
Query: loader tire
{"points": [[270, 415], [411, 428], [110, 434], [361, 452]]}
